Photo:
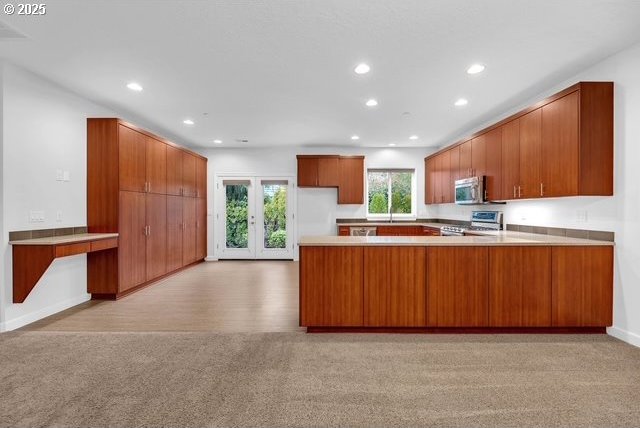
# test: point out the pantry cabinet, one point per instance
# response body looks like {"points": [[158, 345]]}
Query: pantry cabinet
{"points": [[153, 194]]}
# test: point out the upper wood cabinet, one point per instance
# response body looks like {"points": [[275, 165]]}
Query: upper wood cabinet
{"points": [[189, 174], [344, 172], [201, 178], [132, 150], [174, 171], [156, 166], [562, 146], [429, 180]]}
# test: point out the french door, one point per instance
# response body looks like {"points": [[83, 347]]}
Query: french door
{"points": [[255, 217]]}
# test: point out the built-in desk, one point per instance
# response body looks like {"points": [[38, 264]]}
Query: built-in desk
{"points": [[32, 257]]}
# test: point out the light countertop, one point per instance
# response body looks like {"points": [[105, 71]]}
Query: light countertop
{"points": [[502, 238], [65, 239], [394, 224]]}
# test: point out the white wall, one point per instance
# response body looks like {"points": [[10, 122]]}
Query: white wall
{"points": [[317, 209], [44, 129], [620, 213]]}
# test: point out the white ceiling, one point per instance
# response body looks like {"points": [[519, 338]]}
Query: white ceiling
{"points": [[280, 72]]}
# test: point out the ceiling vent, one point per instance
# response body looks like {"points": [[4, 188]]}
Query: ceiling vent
{"points": [[7, 33], [242, 140]]}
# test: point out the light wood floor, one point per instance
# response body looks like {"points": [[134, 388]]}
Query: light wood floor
{"points": [[224, 296]]}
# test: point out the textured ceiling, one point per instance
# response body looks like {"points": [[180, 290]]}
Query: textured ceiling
{"points": [[280, 72]]}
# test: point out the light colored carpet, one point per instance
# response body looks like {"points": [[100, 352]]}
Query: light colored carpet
{"points": [[294, 379]]}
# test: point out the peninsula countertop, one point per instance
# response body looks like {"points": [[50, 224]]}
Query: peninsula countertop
{"points": [[502, 238]]}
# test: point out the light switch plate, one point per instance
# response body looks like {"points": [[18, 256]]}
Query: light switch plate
{"points": [[66, 176], [36, 216], [59, 175]]}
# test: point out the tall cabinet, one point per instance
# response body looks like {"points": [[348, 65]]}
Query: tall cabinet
{"points": [[153, 194]]}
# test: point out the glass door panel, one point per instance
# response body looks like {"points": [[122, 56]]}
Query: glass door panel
{"points": [[238, 218], [275, 217]]}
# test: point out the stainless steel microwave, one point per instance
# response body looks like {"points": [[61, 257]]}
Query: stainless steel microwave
{"points": [[470, 191]]}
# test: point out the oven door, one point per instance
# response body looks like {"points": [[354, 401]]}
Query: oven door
{"points": [[468, 191]]}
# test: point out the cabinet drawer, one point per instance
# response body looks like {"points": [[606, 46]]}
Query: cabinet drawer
{"points": [[72, 249], [104, 244]]}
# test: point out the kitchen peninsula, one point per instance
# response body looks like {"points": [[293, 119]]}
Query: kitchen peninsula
{"points": [[500, 282]]}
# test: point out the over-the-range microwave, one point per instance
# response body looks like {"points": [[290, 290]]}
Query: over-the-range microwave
{"points": [[470, 191]]}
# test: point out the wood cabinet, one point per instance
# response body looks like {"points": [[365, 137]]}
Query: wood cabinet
{"points": [[344, 230], [344, 172], [189, 240], [175, 227], [201, 178], [493, 165], [132, 250], [559, 171], [174, 171], [430, 231], [156, 166], [510, 159], [582, 291], [156, 234], [520, 286], [562, 146], [351, 180], [331, 286], [430, 180], [189, 174], [144, 188], [457, 287], [443, 187], [201, 228], [394, 286], [399, 230]]}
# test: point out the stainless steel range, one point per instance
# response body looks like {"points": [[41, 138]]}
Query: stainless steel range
{"points": [[480, 220]]}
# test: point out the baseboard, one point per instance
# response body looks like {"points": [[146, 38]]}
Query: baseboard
{"points": [[624, 335], [210, 259], [23, 320]]}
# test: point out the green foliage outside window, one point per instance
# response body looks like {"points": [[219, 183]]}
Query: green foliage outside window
{"points": [[275, 216], [237, 216], [395, 183]]}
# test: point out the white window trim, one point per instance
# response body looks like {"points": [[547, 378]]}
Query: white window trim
{"points": [[414, 194]]}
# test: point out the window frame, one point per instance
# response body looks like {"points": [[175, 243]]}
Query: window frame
{"points": [[414, 193]]}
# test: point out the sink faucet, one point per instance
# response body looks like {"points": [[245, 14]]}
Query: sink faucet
{"points": [[391, 213]]}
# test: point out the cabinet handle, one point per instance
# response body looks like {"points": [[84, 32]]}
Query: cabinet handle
{"points": [[541, 189], [519, 191], [149, 188], [514, 191]]}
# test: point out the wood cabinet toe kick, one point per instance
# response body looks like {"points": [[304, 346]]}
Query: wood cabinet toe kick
{"points": [[32, 257], [466, 289]]}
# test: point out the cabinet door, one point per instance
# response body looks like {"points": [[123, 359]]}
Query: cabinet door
{"points": [[530, 154], [174, 171], [307, 172], [175, 227], [510, 159], [344, 231], [188, 174], [582, 286], [132, 159], [201, 178], [156, 166], [132, 242], [351, 188], [444, 178], [464, 170], [560, 147], [457, 287], [331, 286], [328, 172], [394, 286], [201, 229], [189, 231], [493, 165], [156, 212], [520, 286], [429, 180], [454, 171], [479, 156]]}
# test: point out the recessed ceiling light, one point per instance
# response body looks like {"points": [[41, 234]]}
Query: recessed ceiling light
{"points": [[134, 86], [188, 122], [392, 144], [413, 137], [461, 102], [362, 68], [475, 69], [217, 141], [355, 137], [372, 103]]}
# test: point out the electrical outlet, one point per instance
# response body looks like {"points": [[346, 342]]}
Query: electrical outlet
{"points": [[59, 215], [36, 216]]}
